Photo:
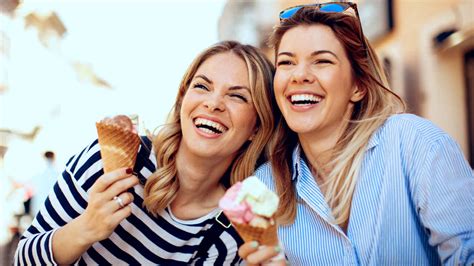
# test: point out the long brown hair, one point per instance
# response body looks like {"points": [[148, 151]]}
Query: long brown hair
{"points": [[368, 115], [162, 186]]}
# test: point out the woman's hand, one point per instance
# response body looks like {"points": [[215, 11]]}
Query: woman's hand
{"points": [[254, 254], [108, 205]]}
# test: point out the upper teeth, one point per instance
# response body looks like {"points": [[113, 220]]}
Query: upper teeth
{"points": [[305, 97], [201, 121]]}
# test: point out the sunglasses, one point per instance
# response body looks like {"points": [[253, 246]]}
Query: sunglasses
{"points": [[329, 7]]}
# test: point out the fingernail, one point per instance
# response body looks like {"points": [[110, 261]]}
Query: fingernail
{"points": [[129, 171], [277, 249], [254, 244]]}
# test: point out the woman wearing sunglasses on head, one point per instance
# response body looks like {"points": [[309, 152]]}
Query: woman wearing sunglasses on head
{"points": [[215, 135], [359, 182]]}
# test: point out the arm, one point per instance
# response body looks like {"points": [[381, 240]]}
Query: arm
{"points": [[64, 203], [67, 215], [98, 221], [445, 202]]}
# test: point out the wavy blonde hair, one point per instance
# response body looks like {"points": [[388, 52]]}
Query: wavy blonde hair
{"points": [[368, 115], [162, 186]]}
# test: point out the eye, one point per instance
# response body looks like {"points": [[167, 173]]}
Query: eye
{"points": [[323, 61], [239, 96], [284, 62], [200, 86]]}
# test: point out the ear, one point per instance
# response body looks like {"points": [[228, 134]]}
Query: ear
{"points": [[253, 134], [357, 94]]}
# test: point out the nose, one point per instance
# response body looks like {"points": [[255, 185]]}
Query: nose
{"points": [[302, 74], [215, 102]]}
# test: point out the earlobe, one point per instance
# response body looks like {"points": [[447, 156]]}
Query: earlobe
{"points": [[251, 137], [253, 134], [357, 94]]}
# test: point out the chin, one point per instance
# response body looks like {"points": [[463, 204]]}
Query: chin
{"points": [[302, 126], [301, 130]]}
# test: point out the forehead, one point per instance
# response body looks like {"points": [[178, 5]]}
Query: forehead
{"points": [[225, 68], [309, 38]]}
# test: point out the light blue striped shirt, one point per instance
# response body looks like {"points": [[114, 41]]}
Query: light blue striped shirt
{"points": [[413, 204]]}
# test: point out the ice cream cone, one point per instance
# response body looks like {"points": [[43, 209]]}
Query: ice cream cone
{"points": [[118, 146], [264, 236]]}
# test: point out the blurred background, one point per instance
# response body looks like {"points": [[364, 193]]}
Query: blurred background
{"points": [[65, 65]]}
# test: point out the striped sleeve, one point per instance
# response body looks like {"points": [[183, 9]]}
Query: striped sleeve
{"points": [[445, 202], [66, 201]]}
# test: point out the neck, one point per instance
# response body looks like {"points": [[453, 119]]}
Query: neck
{"points": [[199, 183], [318, 147]]}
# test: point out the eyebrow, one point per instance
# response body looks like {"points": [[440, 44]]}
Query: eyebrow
{"points": [[204, 78], [233, 88], [324, 52], [312, 54]]}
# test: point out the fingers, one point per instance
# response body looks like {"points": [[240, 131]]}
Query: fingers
{"points": [[107, 225], [120, 186], [255, 255], [248, 248], [281, 262], [122, 201], [107, 187], [110, 178], [121, 214]]}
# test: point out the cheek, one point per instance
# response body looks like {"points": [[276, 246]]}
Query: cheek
{"points": [[182, 110], [279, 85], [247, 119], [189, 100], [187, 104], [251, 120], [279, 82]]}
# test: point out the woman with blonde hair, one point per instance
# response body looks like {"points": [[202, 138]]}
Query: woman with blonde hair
{"points": [[165, 210], [359, 182]]}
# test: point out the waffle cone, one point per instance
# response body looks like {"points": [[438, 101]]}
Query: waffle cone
{"points": [[264, 236], [118, 147]]}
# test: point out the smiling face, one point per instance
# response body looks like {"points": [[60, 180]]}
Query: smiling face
{"points": [[217, 113], [314, 86]]}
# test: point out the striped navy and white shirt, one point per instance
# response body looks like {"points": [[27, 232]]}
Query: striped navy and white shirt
{"points": [[413, 204], [139, 239]]}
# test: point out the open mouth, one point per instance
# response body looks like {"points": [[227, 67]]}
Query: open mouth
{"points": [[209, 126], [304, 99]]}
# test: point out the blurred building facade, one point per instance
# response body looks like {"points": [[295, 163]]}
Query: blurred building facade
{"points": [[427, 48]]}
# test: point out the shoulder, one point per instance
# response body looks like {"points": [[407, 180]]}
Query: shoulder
{"points": [[416, 140], [146, 158], [265, 174], [409, 128], [84, 162], [86, 166]]}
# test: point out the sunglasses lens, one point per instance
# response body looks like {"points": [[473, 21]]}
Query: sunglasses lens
{"points": [[333, 8], [289, 12]]}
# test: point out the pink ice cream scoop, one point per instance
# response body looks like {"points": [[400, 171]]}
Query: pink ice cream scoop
{"points": [[238, 212], [249, 202]]}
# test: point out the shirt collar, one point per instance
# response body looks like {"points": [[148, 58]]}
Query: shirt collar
{"points": [[374, 140], [296, 156]]}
